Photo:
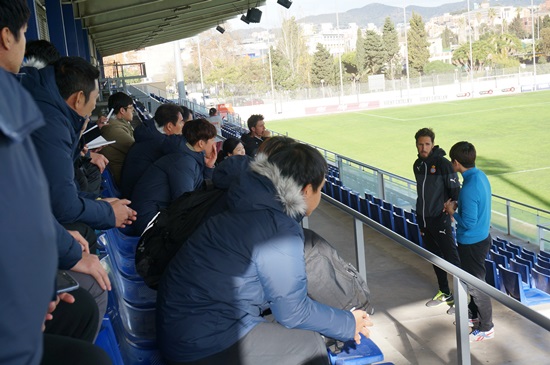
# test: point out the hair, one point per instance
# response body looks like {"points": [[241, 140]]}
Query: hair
{"points": [[253, 120], [465, 153], [74, 74], [14, 15], [212, 112], [42, 50], [228, 146], [302, 163], [168, 113], [119, 100], [198, 130], [185, 113], [425, 132], [273, 144]]}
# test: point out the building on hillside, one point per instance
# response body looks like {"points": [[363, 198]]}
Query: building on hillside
{"points": [[335, 40]]}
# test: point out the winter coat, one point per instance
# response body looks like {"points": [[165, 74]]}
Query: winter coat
{"points": [[149, 146], [251, 144], [57, 145], [122, 132], [164, 181], [236, 265], [436, 182], [29, 255]]}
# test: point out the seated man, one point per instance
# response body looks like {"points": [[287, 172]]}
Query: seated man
{"points": [[150, 137], [246, 260], [175, 173], [257, 135], [120, 130]]}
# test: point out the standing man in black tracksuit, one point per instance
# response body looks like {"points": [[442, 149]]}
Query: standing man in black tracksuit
{"points": [[436, 182]]}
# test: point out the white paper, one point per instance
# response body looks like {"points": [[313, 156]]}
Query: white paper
{"points": [[98, 142]]}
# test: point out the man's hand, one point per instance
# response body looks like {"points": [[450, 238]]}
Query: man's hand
{"points": [[450, 206], [266, 134], [123, 213], [81, 241], [211, 156], [66, 297], [89, 264], [99, 160], [362, 321], [102, 121]]}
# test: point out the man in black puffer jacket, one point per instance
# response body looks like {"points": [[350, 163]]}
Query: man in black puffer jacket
{"points": [[436, 182]]}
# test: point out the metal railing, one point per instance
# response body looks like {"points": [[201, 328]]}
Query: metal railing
{"points": [[460, 279]]}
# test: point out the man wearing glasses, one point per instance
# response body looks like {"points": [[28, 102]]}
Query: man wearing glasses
{"points": [[120, 130]]}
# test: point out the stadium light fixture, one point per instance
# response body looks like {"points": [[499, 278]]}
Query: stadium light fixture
{"points": [[220, 29], [244, 19], [285, 3], [254, 15]]}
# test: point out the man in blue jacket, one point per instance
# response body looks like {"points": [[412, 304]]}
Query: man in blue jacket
{"points": [[150, 138], [246, 260], [66, 92], [472, 214], [29, 231]]}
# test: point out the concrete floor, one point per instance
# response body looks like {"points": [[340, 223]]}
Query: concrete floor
{"points": [[405, 329]]}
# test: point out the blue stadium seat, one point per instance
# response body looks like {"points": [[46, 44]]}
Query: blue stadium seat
{"points": [[387, 205], [344, 192], [501, 240], [330, 189], [540, 280], [498, 243], [513, 248], [522, 269], [511, 244], [410, 216], [107, 341], [545, 254], [369, 197], [377, 201], [541, 269], [414, 233], [506, 253], [374, 211], [491, 276], [400, 224], [398, 211], [524, 262], [529, 256], [364, 207], [499, 259], [108, 187], [528, 252], [354, 200], [511, 282], [386, 218], [337, 192], [353, 354], [543, 263]]}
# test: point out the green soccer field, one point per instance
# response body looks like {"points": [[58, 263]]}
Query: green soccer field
{"points": [[511, 135]]}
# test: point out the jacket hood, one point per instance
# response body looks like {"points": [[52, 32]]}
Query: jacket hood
{"points": [[263, 187], [147, 131], [34, 62], [41, 85], [229, 171]]}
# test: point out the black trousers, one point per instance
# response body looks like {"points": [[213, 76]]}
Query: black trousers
{"points": [[78, 320], [438, 239], [473, 262], [61, 350]]}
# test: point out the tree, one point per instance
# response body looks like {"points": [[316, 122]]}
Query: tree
{"points": [[544, 42], [545, 22], [448, 38], [282, 76], [375, 55], [516, 28], [360, 53], [390, 42], [322, 67], [293, 48], [418, 45]]}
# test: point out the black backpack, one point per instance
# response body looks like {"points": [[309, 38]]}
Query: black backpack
{"points": [[170, 230], [330, 279]]}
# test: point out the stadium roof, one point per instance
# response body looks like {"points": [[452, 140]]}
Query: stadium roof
{"points": [[123, 25]]}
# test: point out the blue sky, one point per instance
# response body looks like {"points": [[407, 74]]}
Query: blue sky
{"points": [[273, 13]]}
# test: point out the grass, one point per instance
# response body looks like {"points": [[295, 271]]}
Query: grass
{"points": [[511, 134]]}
